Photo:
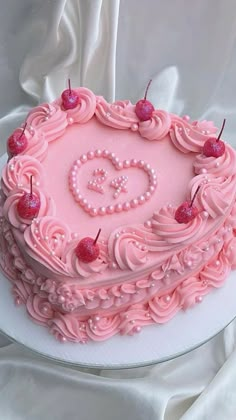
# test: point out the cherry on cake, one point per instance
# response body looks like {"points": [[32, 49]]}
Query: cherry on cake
{"points": [[114, 216]]}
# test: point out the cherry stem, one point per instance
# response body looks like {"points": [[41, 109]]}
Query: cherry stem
{"points": [[198, 188], [31, 185], [221, 131], [146, 91], [95, 240], [23, 130], [69, 86]]}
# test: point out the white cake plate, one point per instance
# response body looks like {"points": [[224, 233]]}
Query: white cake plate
{"points": [[157, 343]]}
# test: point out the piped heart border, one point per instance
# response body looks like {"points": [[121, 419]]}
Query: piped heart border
{"points": [[118, 165]]}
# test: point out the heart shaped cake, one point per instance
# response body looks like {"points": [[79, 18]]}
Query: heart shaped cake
{"points": [[114, 218]]}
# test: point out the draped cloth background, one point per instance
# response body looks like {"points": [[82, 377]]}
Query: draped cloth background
{"points": [[114, 47]]}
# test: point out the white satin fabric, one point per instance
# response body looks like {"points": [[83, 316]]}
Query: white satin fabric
{"points": [[114, 47]]}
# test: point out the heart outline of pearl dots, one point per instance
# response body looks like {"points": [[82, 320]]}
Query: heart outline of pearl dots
{"points": [[118, 165]]}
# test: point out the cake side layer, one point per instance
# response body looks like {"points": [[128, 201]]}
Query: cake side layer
{"points": [[44, 298]]}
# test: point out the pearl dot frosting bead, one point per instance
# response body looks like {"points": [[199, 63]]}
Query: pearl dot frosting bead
{"points": [[61, 299], [126, 206], [205, 214], [90, 155], [137, 329], [133, 162], [93, 212], [134, 127], [110, 209], [134, 203], [118, 208], [102, 211]]}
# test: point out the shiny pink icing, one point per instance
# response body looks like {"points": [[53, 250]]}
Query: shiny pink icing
{"points": [[97, 166]]}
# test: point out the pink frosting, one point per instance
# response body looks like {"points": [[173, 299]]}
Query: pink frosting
{"points": [[39, 309], [119, 115], [145, 272], [85, 109], [189, 137], [48, 118], [157, 127], [10, 207], [172, 233], [18, 172]]}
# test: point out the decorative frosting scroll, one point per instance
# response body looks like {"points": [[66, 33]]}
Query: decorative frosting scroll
{"points": [[47, 206], [66, 327], [18, 172], [46, 239], [171, 233], [39, 309], [119, 115], [157, 127], [223, 165], [189, 137], [49, 119], [215, 194]]}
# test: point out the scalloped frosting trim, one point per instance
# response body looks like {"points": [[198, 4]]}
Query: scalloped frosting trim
{"points": [[146, 301]]}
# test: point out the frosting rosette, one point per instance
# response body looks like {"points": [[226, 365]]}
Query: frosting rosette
{"points": [[157, 127], [163, 308], [18, 171], [37, 146], [49, 119], [215, 194], [171, 233], [187, 137], [47, 206], [84, 270], [101, 328], [215, 273], [119, 115], [190, 290], [129, 248], [39, 309], [46, 239], [223, 165], [85, 109], [66, 327], [133, 319]]}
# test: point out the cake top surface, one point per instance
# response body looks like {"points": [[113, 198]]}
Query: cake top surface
{"points": [[98, 166]]}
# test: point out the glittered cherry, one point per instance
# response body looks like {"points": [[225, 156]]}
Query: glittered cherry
{"points": [[186, 212], [29, 204], [87, 249], [70, 98], [17, 142], [214, 146], [144, 108]]}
